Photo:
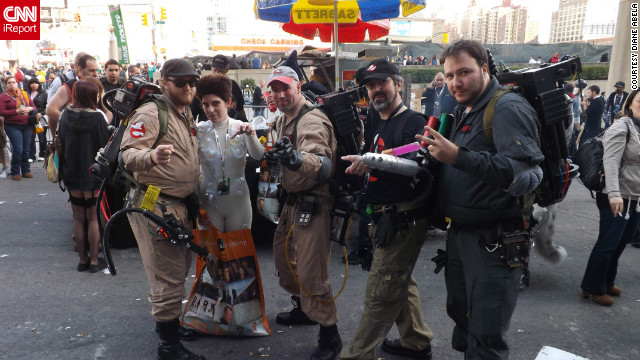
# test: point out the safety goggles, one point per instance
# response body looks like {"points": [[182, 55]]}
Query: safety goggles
{"points": [[182, 82]]}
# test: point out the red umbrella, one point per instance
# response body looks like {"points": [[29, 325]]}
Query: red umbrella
{"points": [[347, 33]]}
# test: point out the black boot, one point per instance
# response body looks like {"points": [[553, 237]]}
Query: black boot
{"points": [[184, 334], [170, 347], [329, 344], [295, 316]]}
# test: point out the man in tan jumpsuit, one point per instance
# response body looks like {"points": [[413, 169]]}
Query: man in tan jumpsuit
{"points": [[307, 164], [171, 166]]}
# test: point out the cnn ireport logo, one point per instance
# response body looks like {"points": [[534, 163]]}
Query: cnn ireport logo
{"points": [[20, 20]]}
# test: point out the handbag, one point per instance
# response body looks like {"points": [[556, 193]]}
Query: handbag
{"points": [[32, 120], [53, 161], [38, 128]]}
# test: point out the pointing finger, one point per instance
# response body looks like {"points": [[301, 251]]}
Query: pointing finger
{"points": [[436, 135]]}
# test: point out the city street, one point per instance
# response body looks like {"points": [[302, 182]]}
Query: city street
{"points": [[51, 311]]}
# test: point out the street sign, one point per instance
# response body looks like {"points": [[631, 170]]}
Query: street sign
{"points": [[159, 22]]}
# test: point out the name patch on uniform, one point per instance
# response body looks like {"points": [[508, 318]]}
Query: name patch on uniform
{"points": [[466, 128], [137, 130]]}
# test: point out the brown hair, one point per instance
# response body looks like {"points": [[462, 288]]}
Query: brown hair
{"points": [[472, 47], [85, 94], [215, 84], [7, 78], [626, 110]]}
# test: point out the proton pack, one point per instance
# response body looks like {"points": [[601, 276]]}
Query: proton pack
{"points": [[543, 89], [107, 168]]}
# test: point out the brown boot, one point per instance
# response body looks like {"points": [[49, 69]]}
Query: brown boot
{"points": [[614, 291], [604, 300], [16, 177]]}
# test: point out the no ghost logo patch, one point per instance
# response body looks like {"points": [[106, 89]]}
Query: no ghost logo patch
{"points": [[137, 130]]}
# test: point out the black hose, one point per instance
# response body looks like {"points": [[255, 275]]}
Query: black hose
{"points": [[156, 219]]}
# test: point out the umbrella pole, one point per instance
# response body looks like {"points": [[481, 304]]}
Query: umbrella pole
{"points": [[335, 41]]}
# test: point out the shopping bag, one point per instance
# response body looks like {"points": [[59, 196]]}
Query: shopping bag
{"points": [[227, 296]]}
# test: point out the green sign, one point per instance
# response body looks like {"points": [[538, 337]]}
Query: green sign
{"points": [[121, 36], [159, 22]]}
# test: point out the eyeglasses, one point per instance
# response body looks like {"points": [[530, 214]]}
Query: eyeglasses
{"points": [[182, 82], [372, 84]]}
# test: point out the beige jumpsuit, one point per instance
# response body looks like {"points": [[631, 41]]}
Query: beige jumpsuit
{"points": [[163, 261], [309, 246]]}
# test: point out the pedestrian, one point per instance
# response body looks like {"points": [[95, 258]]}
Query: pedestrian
{"points": [[618, 204], [171, 165], [83, 131], [258, 102], [39, 98], [15, 106], [593, 108], [399, 227], [306, 167], [480, 188]]}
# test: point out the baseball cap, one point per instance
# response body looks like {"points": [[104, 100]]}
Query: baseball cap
{"points": [[177, 67], [379, 69], [283, 74], [619, 83], [220, 62]]}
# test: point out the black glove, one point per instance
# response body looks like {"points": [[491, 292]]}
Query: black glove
{"points": [[271, 158], [283, 151], [385, 230], [440, 260]]}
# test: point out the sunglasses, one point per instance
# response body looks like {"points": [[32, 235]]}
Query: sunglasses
{"points": [[182, 82]]}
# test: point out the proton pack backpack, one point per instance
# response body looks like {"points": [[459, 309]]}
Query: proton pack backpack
{"points": [[116, 181], [542, 88]]}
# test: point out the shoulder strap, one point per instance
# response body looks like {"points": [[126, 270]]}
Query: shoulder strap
{"points": [[305, 109], [490, 109], [163, 117], [401, 124]]}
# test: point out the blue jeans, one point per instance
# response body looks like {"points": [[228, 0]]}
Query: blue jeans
{"points": [[20, 138], [613, 236]]}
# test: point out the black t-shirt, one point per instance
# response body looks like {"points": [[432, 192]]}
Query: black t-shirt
{"points": [[386, 188], [109, 86]]}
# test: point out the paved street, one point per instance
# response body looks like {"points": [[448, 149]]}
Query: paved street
{"points": [[50, 311]]}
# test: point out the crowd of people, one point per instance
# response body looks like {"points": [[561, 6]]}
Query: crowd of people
{"points": [[205, 160]]}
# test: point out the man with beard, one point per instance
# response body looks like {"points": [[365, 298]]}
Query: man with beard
{"points": [[85, 65], [305, 222], [399, 229], [614, 103], [111, 80], [480, 188], [438, 99], [169, 163]]}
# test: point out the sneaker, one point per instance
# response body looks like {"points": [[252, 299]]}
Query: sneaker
{"points": [[30, 160], [3, 174], [41, 159]]}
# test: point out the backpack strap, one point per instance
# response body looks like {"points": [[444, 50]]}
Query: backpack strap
{"points": [[163, 117], [305, 109], [490, 109], [400, 125]]}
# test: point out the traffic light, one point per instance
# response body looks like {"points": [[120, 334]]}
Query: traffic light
{"points": [[76, 17], [163, 13], [145, 22]]}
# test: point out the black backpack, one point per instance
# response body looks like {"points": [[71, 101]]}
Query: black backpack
{"points": [[589, 159]]}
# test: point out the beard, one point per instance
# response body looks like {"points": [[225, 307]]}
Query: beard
{"points": [[384, 104], [473, 92]]}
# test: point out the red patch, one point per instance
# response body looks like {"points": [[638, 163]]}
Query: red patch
{"points": [[137, 130], [381, 144], [192, 131], [466, 128]]}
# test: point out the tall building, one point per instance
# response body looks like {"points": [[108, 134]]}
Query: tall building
{"points": [[567, 21], [504, 24]]}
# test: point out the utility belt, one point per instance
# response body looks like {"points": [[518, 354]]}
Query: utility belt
{"points": [[138, 194], [403, 212], [308, 205], [513, 242]]}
